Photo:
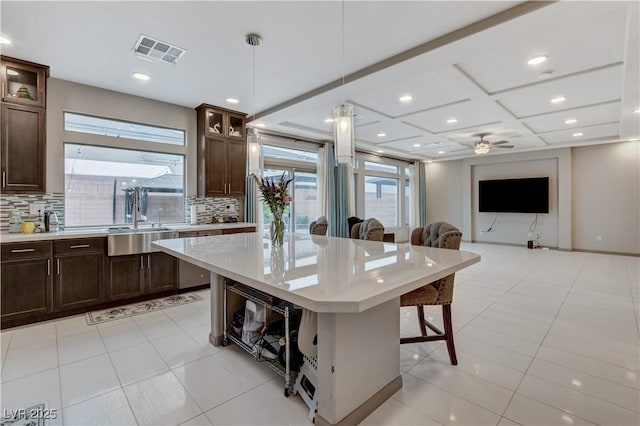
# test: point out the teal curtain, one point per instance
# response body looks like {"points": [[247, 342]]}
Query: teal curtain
{"points": [[337, 195], [250, 207], [421, 173]]}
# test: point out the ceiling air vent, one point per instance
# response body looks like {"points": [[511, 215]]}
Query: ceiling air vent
{"points": [[150, 48]]}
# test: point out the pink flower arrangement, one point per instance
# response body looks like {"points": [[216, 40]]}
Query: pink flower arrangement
{"points": [[275, 194]]}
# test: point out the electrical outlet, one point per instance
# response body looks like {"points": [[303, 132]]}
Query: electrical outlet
{"points": [[598, 237], [33, 208], [537, 235]]}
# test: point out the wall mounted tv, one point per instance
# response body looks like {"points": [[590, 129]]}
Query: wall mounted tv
{"points": [[514, 195]]}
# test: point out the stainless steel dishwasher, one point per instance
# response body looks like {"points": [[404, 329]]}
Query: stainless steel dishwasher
{"points": [[190, 275]]}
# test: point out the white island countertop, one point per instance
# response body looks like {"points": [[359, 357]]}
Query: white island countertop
{"points": [[6, 237], [322, 274]]}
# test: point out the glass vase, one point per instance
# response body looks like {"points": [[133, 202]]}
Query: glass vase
{"points": [[277, 232]]}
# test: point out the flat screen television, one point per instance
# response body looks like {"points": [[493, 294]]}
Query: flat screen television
{"points": [[514, 195]]}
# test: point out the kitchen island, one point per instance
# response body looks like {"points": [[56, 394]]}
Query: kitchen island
{"points": [[354, 286]]}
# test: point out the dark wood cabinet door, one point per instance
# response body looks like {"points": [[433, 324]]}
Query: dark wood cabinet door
{"points": [[162, 272], [23, 148], [215, 170], [26, 288], [126, 276], [237, 167], [79, 281], [23, 82]]}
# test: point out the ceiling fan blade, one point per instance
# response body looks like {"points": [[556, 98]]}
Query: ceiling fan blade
{"points": [[499, 143], [504, 146], [462, 149]]}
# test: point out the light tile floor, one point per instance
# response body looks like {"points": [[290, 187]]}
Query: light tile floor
{"points": [[543, 338]]}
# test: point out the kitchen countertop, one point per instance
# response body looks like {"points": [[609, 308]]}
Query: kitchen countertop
{"points": [[6, 237], [322, 274]]}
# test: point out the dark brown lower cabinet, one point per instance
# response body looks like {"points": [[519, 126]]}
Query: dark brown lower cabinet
{"points": [[79, 273], [79, 281], [27, 289], [126, 276], [134, 275], [162, 272]]}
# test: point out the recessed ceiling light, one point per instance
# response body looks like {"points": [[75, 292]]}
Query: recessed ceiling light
{"points": [[261, 125], [429, 161], [141, 76], [571, 121], [637, 111], [380, 151], [577, 135], [406, 98], [558, 99], [452, 120], [441, 152], [545, 75], [417, 145], [382, 135], [12, 72], [328, 120], [4, 40], [232, 100], [537, 60]]}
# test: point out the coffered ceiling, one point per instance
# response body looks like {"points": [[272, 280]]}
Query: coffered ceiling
{"points": [[458, 60]]}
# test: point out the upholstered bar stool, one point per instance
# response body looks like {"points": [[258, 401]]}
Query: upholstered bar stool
{"points": [[440, 292], [370, 229], [319, 226]]}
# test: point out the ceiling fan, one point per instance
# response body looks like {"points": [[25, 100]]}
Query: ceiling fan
{"points": [[483, 146]]}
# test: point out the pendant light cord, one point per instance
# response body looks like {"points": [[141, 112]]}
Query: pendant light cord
{"points": [[254, 82], [343, 67]]}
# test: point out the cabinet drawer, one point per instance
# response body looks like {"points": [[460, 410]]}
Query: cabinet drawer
{"points": [[80, 246], [30, 250], [188, 234], [238, 230]]}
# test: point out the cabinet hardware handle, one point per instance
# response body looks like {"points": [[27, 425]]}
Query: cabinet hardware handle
{"points": [[141, 262], [58, 265], [48, 267], [3, 91], [22, 250], [80, 246], [4, 179], [148, 261]]}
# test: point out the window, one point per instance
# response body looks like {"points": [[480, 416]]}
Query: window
{"points": [[383, 190], [121, 129], [301, 164], [99, 185]]}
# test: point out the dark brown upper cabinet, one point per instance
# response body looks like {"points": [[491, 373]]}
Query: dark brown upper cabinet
{"points": [[23, 125], [222, 152]]}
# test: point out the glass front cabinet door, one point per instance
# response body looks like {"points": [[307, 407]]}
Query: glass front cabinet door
{"points": [[23, 83]]}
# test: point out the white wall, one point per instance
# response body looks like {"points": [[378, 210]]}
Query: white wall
{"points": [[514, 228], [606, 197], [444, 192], [73, 97], [594, 190]]}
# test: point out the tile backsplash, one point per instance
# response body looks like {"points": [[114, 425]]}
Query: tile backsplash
{"points": [[209, 209], [21, 203]]}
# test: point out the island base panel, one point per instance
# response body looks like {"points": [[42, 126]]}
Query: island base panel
{"points": [[217, 310], [358, 362]]}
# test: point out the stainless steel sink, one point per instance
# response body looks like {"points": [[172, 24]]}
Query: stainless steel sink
{"points": [[135, 230], [132, 241]]}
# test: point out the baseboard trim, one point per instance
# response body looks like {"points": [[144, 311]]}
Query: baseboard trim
{"points": [[616, 253]]}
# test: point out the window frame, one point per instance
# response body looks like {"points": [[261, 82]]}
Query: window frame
{"points": [[360, 172]]}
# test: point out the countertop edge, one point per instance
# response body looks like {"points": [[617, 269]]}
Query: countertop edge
{"points": [[6, 237]]}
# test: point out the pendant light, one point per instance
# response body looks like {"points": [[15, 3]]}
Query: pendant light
{"points": [[343, 121], [254, 140]]}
